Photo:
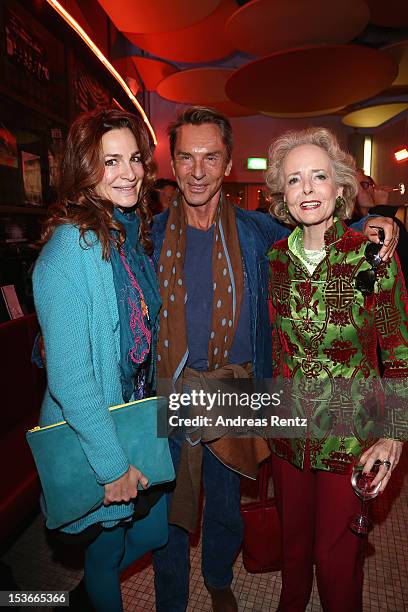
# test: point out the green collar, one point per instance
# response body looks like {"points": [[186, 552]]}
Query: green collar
{"points": [[333, 234]]}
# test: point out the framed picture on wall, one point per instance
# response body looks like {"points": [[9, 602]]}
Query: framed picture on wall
{"points": [[31, 166]]}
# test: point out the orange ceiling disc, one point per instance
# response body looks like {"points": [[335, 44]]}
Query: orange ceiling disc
{"points": [[203, 42], [204, 86], [149, 16], [389, 13], [311, 79], [152, 71], [262, 27]]}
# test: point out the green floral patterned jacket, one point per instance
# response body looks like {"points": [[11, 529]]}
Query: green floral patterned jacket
{"points": [[325, 335]]}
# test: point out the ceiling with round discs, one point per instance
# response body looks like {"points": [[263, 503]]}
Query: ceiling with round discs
{"points": [[205, 86], [204, 41], [374, 116], [149, 16], [152, 71], [262, 27], [287, 59], [303, 79]]}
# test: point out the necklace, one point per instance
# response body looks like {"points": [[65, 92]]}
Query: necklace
{"points": [[311, 258]]}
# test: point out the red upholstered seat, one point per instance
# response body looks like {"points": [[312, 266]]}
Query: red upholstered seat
{"points": [[22, 389]]}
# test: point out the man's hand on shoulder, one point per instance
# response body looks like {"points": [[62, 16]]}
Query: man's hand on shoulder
{"points": [[391, 234]]}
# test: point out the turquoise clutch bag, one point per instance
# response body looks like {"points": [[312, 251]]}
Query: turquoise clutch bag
{"points": [[68, 482]]}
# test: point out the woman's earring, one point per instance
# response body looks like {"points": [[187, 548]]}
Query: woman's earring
{"points": [[340, 201], [285, 207]]}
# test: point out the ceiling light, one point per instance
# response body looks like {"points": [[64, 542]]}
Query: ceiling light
{"points": [[368, 145]]}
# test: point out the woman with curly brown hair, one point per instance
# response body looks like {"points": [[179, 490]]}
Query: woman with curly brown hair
{"points": [[97, 302]]}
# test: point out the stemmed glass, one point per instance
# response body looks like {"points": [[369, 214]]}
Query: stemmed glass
{"points": [[362, 485]]}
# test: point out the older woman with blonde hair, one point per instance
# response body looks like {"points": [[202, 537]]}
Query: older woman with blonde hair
{"points": [[343, 168], [332, 302]]}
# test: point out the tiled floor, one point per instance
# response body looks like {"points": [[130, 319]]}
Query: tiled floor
{"points": [[37, 566]]}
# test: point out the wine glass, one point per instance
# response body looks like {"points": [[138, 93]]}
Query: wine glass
{"points": [[362, 485]]}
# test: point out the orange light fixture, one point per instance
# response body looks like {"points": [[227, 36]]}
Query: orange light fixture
{"points": [[204, 41], [313, 90], [157, 16], [261, 27], [89, 42], [401, 155]]}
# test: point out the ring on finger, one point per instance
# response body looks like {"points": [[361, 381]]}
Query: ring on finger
{"points": [[387, 463]]}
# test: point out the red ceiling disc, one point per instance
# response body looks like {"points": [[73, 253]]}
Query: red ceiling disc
{"points": [[152, 71], [311, 79], [204, 86], [203, 42], [262, 27], [149, 16]]}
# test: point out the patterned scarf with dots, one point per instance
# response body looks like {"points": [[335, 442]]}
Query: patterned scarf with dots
{"points": [[228, 284]]}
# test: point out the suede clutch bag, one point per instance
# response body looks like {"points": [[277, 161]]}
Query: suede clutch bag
{"points": [[69, 485]]}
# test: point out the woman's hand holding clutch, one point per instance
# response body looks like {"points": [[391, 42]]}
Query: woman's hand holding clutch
{"points": [[124, 489]]}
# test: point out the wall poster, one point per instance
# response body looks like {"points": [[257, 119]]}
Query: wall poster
{"points": [[31, 165]]}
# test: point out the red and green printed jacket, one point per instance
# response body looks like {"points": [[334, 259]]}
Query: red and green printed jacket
{"points": [[325, 334]]}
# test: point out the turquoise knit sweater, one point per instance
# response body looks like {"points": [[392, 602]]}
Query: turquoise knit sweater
{"points": [[77, 309]]}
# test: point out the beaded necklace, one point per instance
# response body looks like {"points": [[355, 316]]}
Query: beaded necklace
{"points": [[310, 258]]}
